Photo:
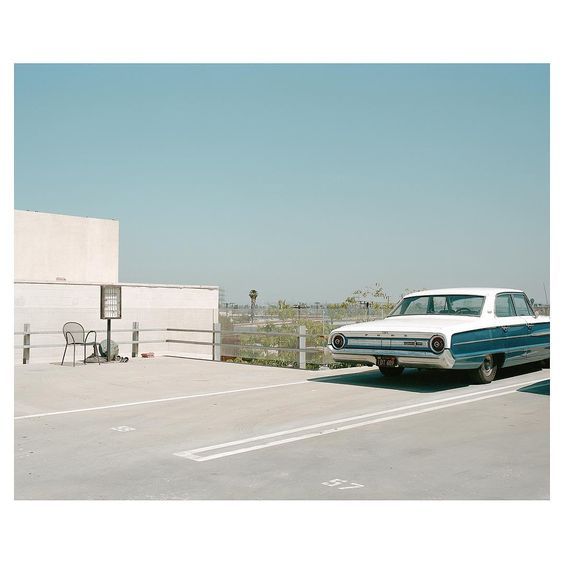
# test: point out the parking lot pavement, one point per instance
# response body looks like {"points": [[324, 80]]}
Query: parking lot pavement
{"points": [[170, 428]]}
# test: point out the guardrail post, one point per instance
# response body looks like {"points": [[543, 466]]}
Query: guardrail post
{"points": [[26, 343], [135, 339], [217, 342], [302, 332]]}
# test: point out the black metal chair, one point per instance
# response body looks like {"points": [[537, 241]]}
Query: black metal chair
{"points": [[75, 335]]}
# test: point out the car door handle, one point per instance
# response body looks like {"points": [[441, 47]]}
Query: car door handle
{"points": [[505, 328]]}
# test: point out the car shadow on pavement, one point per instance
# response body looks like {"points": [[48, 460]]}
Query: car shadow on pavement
{"points": [[534, 368], [410, 380], [422, 381], [541, 388]]}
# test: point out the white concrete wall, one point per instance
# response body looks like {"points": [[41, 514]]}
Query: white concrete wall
{"points": [[47, 306], [77, 249]]}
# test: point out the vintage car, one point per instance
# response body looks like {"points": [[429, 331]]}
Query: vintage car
{"points": [[474, 329]]}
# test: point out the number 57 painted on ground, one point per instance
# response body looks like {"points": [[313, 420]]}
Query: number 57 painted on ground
{"points": [[339, 482]]}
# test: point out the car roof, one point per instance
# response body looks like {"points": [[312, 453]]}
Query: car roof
{"points": [[467, 291]]}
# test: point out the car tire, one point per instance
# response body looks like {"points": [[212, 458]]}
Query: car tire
{"points": [[391, 370], [486, 371], [545, 363]]}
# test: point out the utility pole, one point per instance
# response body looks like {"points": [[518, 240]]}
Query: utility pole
{"points": [[367, 304], [299, 307]]}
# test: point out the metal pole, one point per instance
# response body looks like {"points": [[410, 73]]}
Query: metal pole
{"points": [[135, 339], [108, 335], [26, 343], [217, 342], [302, 332]]}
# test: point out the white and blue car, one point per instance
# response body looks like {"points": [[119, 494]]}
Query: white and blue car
{"points": [[474, 329]]}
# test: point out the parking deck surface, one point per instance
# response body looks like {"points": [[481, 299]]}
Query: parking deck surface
{"points": [[173, 428]]}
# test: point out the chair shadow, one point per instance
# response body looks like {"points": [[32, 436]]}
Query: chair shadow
{"points": [[68, 363], [421, 381]]}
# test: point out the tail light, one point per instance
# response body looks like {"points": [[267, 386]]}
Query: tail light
{"points": [[437, 344], [338, 341]]}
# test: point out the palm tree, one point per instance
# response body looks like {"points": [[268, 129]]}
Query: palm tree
{"points": [[253, 294]]}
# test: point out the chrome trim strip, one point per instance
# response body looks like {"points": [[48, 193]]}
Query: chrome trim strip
{"points": [[354, 357], [387, 334], [503, 338], [365, 342], [523, 349], [379, 351]]}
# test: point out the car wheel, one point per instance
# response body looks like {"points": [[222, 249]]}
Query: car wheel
{"points": [[545, 363], [486, 372], [391, 370]]}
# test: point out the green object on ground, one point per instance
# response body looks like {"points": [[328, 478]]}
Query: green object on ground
{"points": [[114, 349]]}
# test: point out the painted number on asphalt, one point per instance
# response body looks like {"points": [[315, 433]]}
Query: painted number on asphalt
{"points": [[341, 483]]}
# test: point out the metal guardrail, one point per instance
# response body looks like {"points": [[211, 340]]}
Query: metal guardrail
{"points": [[216, 341]]}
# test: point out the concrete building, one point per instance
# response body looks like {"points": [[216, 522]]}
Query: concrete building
{"points": [[60, 263], [52, 247]]}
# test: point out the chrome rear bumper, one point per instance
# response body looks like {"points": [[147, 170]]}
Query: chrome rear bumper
{"points": [[443, 360]]}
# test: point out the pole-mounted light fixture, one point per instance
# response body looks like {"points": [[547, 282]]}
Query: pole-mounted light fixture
{"points": [[110, 308]]}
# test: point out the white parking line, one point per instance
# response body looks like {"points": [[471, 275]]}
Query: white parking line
{"points": [[114, 406], [484, 394]]}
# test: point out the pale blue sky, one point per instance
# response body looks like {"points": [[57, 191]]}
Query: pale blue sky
{"points": [[305, 182]]}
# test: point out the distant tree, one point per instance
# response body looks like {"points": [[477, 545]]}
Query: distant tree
{"points": [[368, 294], [409, 291], [253, 294], [336, 312], [351, 300], [285, 310]]}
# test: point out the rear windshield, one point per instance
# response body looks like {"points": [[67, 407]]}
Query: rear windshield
{"points": [[448, 304]]}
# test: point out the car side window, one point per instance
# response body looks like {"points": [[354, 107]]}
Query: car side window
{"points": [[522, 306], [504, 306]]}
